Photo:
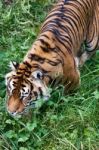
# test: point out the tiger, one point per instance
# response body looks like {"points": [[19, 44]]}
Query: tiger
{"points": [[56, 52]]}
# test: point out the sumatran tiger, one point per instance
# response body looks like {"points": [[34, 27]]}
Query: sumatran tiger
{"points": [[55, 53]]}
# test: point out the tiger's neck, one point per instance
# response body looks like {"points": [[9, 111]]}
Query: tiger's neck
{"points": [[48, 56]]}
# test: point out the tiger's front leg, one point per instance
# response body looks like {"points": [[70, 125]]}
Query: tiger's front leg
{"points": [[73, 81], [71, 78]]}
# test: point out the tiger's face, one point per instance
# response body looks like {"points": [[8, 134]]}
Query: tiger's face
{"points": [[23, 94]]}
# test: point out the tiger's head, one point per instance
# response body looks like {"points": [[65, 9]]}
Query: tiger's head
{"points": [[24, 88]]}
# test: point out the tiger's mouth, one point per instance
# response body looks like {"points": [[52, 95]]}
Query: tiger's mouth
{"points": [[16, 107]]}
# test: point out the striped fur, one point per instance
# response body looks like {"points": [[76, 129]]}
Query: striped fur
{"points": [[56, 52]]}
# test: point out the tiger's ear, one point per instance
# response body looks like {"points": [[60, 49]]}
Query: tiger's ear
{"points": [[37, 74], [13, 65]]}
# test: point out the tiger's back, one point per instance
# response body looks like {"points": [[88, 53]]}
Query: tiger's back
{"points": [[74, 22]]}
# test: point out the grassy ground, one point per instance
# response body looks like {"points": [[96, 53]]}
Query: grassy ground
{"points": [[65, 122]]}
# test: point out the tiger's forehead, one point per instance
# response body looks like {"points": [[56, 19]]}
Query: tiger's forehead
{"points": [[21, 82], [23, 71]]}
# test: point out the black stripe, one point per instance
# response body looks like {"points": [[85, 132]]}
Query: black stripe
{"points": [[27, 75], [45, 49], [42, 60], [59, 49], [77, 7], [57, 22], [41, 92], [65, 1], [61, 40], [18, 72], [55, 32], [45, 36], [54, 14], [35, 94], [37, 66], [44, 42], [27, 64], [36, 58], [53, 63], [17, 77], [62, 27]]}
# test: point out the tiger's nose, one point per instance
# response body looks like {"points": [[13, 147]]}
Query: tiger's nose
{"points": [[15, 111], [14, 106], [12, 109], [12, 113]]}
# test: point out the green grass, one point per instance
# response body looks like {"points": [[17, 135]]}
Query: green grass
{"points": [[64, 123]]}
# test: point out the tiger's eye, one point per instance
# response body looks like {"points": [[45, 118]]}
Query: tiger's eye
{"points": [[38, 75]]}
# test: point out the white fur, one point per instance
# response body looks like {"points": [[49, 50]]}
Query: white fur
{"points": [[12, 86], [12, 65], [7, 76], [38, 83], [34, 74], [77, 61], [25, 92], [84, 58]]}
